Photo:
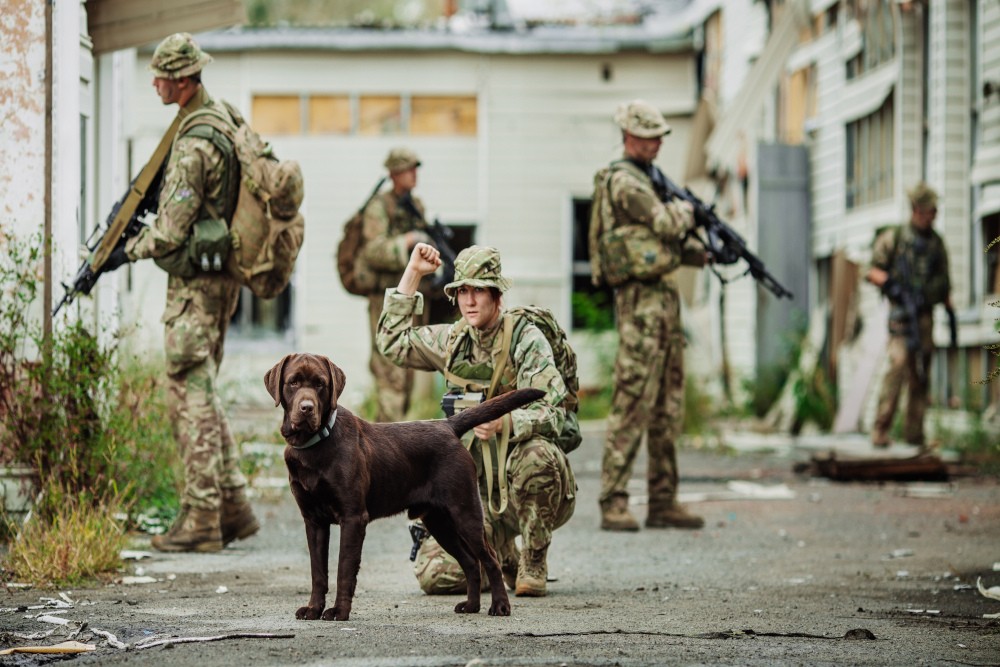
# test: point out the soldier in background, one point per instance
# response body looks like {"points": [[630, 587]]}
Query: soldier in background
{"points": [[909, 264], [393, 223], [648, 394], [197, 185]]}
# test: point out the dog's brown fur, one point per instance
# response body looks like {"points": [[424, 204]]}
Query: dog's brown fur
{"points": [[364, 471]]}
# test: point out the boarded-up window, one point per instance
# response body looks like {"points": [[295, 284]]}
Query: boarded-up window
{"points": [[870, 170], [798, 104], [380, 114], [442, 115], [329, 114], [276, 114]]}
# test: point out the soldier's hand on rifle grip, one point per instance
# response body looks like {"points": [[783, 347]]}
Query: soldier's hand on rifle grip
{"points": [[115, 259], [892, 289]]}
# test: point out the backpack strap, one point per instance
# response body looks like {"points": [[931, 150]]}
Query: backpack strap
{"points": [[213, 126]]}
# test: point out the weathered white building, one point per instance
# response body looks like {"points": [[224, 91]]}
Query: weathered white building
{"points": [[879, 95], [510, 127]]}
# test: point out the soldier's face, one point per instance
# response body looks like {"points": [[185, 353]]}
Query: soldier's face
{"points": [[404, 181], [643, 149], [478, 305], [923, 216], [167, 89]]}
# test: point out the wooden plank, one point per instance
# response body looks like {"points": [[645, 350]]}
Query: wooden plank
{"points": [[926, 467], [121, 24]]}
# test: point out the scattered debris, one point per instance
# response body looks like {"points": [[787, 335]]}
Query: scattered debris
{"points": [[64, 647], [927, 490], [929, 612], [128, 554], [55, 620], [993, 592], [740, 490], [139, 580], [923, 467], [111, 639], [899, 553], [221, 589], [188, 640], [859, 633]]}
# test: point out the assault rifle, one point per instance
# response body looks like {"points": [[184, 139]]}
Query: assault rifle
{"points": [[727, 246], [440, 235], [124, 221]]}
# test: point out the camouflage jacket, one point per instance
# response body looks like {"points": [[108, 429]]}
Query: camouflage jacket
{"points": [[193, 182], [635, 201], [918, 261], [474, 353], [386, 222]]}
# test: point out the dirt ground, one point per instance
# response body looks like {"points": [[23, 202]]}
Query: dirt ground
{"points": [[780, 581]]}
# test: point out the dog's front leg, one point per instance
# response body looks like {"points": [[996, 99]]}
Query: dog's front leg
{"points": [[352, 538], [318, 540]]}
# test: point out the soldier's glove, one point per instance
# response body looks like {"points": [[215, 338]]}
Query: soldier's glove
{"points": [[892, 290], [115, 259]]}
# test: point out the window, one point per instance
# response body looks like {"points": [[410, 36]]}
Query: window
{"points": [[329, 114], [380, 114], [277, 114], [870, 145], [257, 318], [592, 307], [798, 104], [366, 115], [441, 115], [878, 37]]}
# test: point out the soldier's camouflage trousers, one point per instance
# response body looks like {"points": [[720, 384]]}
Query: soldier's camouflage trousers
{"points": [[195, 329], [393, 384], [902, 369], [648, 393], [542, 498]]}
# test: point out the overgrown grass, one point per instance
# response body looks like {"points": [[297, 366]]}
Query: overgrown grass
{"points": [[92, 426], [76, 541]]}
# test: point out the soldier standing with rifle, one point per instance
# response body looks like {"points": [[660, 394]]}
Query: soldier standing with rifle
{"points": [[198, 184], [910, 266], [393, 225], [648, 395]]}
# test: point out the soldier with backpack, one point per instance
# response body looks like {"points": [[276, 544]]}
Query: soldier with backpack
{"points": [[200, 188], [392, 225], [526, 482], [636, 243]]}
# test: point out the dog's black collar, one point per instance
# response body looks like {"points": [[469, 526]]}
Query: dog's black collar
{"points": [[322, 434]]}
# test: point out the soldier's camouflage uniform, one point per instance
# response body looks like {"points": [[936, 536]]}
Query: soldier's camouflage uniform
{"points": [[196, 318], [386, 222], [648, 393], [542, 486], [919, 262]]}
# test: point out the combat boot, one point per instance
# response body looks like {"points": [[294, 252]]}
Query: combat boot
{"points": [[193, 530], [532, 571], [238, 520], [673, 517], [616, 516]]}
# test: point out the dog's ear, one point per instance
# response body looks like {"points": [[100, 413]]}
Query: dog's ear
{"points": [[337, 377], [272, 379]]}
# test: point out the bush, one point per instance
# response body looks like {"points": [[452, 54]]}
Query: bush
{"points": [[95, 433]]}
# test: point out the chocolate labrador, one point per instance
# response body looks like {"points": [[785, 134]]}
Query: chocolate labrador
{"points": [[347, 471]]}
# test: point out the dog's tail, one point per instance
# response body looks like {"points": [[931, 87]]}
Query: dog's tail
{"points": [[496, 407]]}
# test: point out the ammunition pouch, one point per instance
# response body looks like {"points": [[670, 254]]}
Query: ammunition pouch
{"points": [[633, 252], [456, 400], [205, 251]]}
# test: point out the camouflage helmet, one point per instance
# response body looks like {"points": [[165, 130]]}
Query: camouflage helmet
{"points": [[401, 159], [641, 119], [478, 266], [178, 56], [923, 196]]}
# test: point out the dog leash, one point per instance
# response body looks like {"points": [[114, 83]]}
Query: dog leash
{"points": [[322, 434]]}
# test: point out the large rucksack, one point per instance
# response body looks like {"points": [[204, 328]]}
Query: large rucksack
{"points": [[266, 228], [355, 276]]}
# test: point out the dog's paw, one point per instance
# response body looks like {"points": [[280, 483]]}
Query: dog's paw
{"points": [[307, 613], [467, 607], [336, 614], [500, 608]]}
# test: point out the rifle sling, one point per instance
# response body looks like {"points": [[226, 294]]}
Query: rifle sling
{"points": [[503, 442], [135, 195]]}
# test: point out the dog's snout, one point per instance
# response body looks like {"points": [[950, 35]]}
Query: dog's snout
{"points": [[307, 406]]}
